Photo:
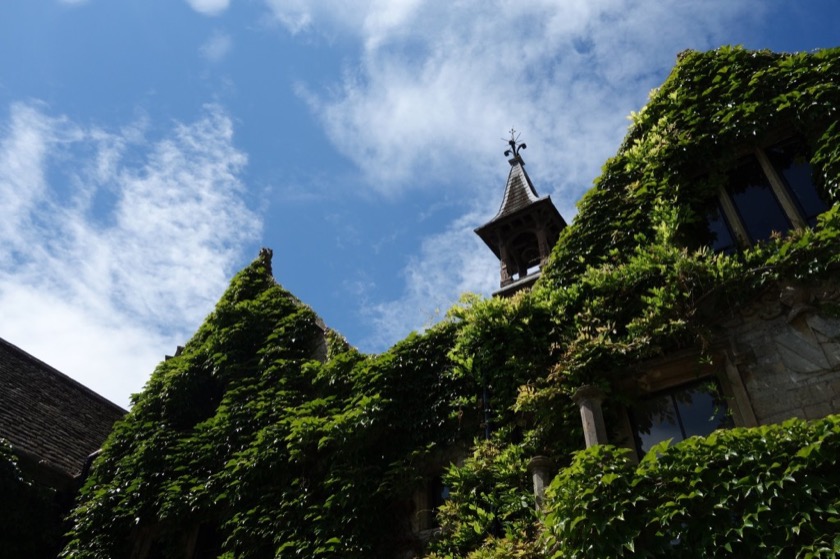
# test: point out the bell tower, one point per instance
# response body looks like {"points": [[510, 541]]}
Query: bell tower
{"points": [[525, 228]]}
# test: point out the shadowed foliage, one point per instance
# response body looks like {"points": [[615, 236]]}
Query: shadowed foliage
{"points": [[286, 455]]}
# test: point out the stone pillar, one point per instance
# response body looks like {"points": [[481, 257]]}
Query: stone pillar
{"points": [[589, 399], [538, 469]]}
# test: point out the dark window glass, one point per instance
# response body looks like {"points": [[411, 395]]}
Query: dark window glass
{"points": [[759, 209], [791, 161], [655, 420], [689, 410], [719, 232], [436, 495]]}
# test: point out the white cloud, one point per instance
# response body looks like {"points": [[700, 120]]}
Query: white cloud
{"points": [[119, 259], [216, 47], [439, 81], [209, 7], [293, 14], [450, 263], [22, 183], [111, 355], [438, 84]]}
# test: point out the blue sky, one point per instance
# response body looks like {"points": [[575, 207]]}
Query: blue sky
{"points": [[149, 148]]}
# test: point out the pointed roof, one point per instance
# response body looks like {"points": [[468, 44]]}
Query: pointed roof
{"points": [[519, 190], [521, 206]]}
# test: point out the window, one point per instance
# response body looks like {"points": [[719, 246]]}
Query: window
{"points": [[721, 235], [770, 191], [790, 160], [758, 208], [438, 494], [679, 413]]}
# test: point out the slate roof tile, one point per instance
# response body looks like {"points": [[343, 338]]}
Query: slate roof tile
{"points": [[519, 191], [46, 414]]}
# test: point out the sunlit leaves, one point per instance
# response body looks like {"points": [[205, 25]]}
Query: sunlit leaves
{"points": [[770, 490], [291, 457]]}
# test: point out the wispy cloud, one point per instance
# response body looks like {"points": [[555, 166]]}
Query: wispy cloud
{"points": [[438, 81], [209, 7], [438, 84], [451, 262], [217, 47], [115, 246]]}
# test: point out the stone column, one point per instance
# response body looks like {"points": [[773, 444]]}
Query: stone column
{"points": [[589, 399], [538, 469]]}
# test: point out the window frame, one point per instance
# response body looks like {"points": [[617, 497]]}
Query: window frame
{"points": [[779, 189], [677, 369], [680, 409]]}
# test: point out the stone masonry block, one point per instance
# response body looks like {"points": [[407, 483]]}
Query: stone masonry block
{"points": [[818, 411], [782, 416], [828, 327], [801, 353], [772, 403]]}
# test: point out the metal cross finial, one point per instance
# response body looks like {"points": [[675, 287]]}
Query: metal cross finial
{"points": [[514, 148]]}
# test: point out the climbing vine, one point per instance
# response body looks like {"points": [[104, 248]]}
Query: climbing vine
{"points": [[289, 449], [768, 491]]}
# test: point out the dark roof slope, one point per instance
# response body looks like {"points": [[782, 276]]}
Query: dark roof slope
{"points": [[48, 416], [519, 190]]}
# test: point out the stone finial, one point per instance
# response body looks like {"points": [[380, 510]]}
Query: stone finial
{"points": [[265, 256]]}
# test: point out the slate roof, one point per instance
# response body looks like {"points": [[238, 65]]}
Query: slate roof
{"points": [[520, 198], [519, 191], [49, 417]]}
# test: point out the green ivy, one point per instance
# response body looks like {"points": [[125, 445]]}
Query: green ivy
{"points": [[770, 491], [279, 452], [288, 456], [491, 499]]}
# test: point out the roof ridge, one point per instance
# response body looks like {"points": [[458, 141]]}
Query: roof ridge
{"points": [[64, 377]]}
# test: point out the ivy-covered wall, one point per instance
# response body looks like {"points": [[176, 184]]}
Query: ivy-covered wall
{"points": [[769, 491], [284, 455], [30, 514], [280, 453]]}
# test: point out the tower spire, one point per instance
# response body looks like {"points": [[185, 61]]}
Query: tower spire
{"points": [[524, 229]]}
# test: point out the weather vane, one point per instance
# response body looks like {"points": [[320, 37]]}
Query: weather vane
{"points": [[514, 148]]}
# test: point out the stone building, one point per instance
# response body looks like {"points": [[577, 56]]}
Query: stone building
{"points": [[53, 426], [774, 357], [695, 290], [53, 423]]}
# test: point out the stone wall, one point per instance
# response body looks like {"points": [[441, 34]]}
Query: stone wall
{"points": [[787, 351]]}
